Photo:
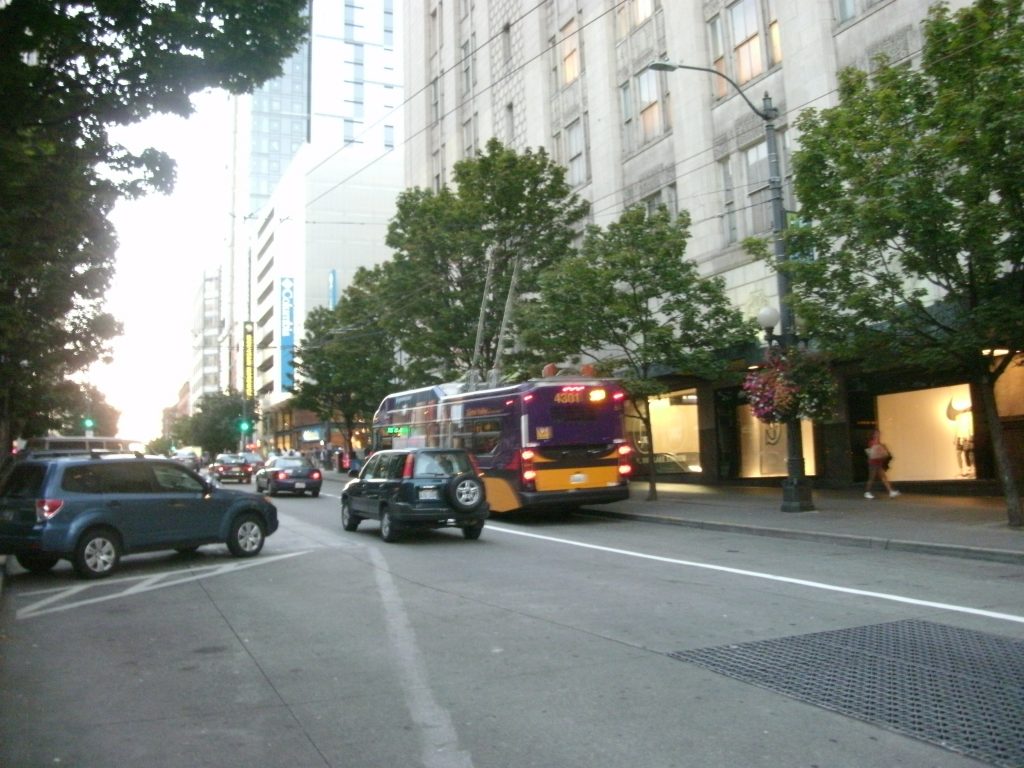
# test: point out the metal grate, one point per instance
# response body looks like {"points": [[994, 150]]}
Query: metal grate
{"points": [[956, 688]]}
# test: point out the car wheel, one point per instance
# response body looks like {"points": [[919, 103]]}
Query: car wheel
{"points": [[246, 536], [472, 532], [97, 554], [271, 489], [349, 521], [465, 492], [315, 493], [37, 562], [388, 529]]}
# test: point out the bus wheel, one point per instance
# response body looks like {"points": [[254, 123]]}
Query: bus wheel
{"points": [[465, 492]]}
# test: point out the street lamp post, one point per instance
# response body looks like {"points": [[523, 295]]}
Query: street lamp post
{"points": [[796, 489]]}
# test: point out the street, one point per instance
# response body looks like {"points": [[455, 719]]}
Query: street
{"points": [[548, 642]]}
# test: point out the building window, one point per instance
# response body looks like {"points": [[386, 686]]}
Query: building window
{"points": [[628, 116], [650, 105], [642, 10], [506, 43], [728, 203], [576, 152], [389, 137], [435, 99], [621, 21], [717, 56], [389, 24], [758, 192], [510, 123], [467, 138], [774, 37], [746, 37], [663, 198], [467, 69], [569, 53]]}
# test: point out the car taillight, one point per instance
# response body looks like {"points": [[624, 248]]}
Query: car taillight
{"points": [[625, 465], [528, 473], [314, 475], [410, 459], [282, 475], [47, 508]]}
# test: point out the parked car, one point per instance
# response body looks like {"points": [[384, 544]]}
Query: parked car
{"points": [[254, 460], [416, 488], [93, 509], [231, 466], [292, 474]]}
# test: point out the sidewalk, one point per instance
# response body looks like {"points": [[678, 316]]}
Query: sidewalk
{"points": [[955, 526]]}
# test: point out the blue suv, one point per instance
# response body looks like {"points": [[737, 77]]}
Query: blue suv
{"points": [[92, 509]]}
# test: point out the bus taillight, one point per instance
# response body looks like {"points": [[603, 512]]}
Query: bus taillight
{"points": [[625, 465], [528, 473]]}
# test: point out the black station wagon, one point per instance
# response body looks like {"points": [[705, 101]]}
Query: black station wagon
{"points": [[416, 488]]}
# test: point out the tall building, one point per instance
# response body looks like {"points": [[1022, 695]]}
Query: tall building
{"points": [[572, 76], [318, 165], [206, 340]]}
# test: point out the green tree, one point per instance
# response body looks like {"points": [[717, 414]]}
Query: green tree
{"points": [[634, 305], [160, 446], [67, 73], [914, 202], [456, 251], [346, 360], [214, 424]]}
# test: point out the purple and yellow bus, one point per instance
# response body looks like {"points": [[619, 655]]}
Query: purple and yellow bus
{"points": [[545, 443]]}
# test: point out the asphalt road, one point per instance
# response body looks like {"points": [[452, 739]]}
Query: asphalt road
{"points": [[545, 643]]}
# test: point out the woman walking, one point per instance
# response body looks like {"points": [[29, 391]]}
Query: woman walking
{"points": [[878, 459]]}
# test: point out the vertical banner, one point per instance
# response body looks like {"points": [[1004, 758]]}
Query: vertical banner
{"points": [[287, 333], [248, 360]]}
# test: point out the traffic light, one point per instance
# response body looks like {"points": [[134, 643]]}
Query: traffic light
{"points": [[244, 426], [88, 422]]}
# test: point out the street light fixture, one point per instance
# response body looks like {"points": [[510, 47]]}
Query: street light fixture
{"points": [[796, 490]]}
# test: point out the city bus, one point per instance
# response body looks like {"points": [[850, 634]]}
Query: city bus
{"points": [[545, 443]]}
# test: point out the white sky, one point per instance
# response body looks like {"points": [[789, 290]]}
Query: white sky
{"points": [[166, 242]]}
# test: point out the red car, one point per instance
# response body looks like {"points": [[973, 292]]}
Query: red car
{"points": [[231, 466]]}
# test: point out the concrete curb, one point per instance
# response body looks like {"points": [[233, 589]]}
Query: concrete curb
{"points": [[840, 539]]}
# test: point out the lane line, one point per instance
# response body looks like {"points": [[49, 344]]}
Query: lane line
{"points": [[439, 741], [767, 576]]}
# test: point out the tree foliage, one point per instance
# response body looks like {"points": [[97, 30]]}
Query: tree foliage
{"points": [[914, 202], [506, 208], [214, 425], [346, 360], [67, 73], [632, 303]]}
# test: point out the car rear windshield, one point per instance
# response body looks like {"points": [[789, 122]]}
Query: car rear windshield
{"points": [[24, 481], [441, 463]]}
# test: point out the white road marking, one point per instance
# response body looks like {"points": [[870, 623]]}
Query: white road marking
{"points": [[767, 576], [145, 584], [439, 740]]}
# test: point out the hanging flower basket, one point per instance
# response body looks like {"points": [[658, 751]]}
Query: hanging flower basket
{"points": [[793, 384]]}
